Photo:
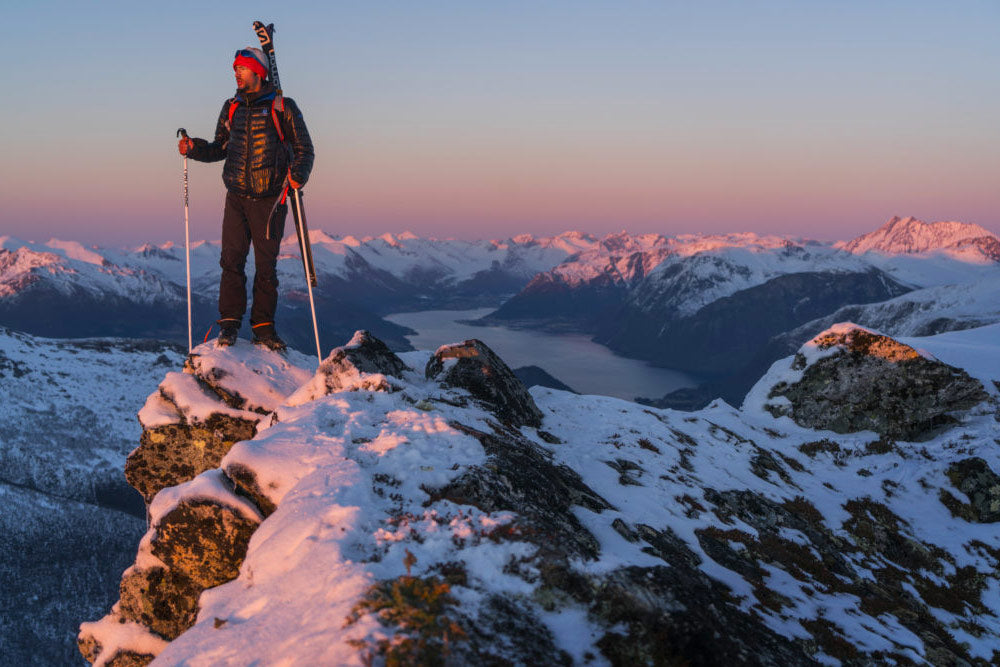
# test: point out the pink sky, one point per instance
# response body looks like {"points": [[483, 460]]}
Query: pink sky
{"points": [[489, 122]]}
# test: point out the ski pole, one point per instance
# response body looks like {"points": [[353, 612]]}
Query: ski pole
{"points": [[299, 213], [187, 239]]}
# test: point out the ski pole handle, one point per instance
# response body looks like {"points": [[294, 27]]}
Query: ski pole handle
{"points": [[181, 132]]}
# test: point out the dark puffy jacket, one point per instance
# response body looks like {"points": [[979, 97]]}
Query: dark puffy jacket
{"points": [[256, 160]]}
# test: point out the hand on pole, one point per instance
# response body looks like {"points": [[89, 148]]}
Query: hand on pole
{"points": [[185, 144], [292, 182]]}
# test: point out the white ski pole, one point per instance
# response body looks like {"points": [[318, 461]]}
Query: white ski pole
{"points": [[187, 241]]}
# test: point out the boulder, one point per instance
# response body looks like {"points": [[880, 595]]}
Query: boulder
{"points": [[248, 377], [976, 479], [363, 363], [473, 366], [851, 379]]}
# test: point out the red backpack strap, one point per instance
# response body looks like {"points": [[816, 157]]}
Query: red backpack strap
{"points": [[278, 104], [233, 103]]}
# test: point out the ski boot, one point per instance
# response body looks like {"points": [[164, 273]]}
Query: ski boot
{"points": [[227, 337], [266, 336]]}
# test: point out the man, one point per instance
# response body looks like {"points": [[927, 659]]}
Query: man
{"points": [[267, 149]]}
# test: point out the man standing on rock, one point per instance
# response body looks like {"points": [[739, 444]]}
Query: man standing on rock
{"points": [[266, 145]]}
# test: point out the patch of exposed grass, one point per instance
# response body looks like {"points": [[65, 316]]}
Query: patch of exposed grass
{"points": [[422, 609]]}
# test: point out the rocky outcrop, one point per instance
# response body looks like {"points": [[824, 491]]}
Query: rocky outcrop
{"points": [[197, 540], [435, 529], [853, 379], [365, 363], [199, 527], [195, 417], [473, 366], [172, 454]]}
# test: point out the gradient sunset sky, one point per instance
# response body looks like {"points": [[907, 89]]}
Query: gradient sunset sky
{"points": [[488, 119]]}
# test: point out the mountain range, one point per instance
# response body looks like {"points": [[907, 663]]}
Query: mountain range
{"points": [[720, 306], [673, 301]]}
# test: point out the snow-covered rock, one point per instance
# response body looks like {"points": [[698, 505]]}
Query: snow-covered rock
{"points": [[850, 379], [364, 363], [473, 366], [409, 523], [193, 418]]}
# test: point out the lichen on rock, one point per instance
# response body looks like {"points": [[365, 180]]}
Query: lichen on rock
{"points": [[175, 453], [162, 599]]}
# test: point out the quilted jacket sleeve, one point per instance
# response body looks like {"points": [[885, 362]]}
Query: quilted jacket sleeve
{"points": [[204, 151]]}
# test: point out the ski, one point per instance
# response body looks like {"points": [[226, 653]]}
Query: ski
{"points": [[299, 215], [265, 33]]}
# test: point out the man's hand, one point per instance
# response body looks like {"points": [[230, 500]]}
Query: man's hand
{"points": [[292, 182], [185, 145]]}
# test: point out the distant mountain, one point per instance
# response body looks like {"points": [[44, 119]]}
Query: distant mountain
{"points": [[674, 301], [536, 376], [61, 288], [698, 304], [710, 305], [907, 236]]}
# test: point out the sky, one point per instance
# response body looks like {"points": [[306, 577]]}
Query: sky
{"points": [[485, 120]]}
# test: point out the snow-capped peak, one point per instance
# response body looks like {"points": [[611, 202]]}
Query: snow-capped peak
{"points": [[901, 236]]}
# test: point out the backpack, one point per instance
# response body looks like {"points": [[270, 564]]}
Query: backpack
{"points": [[277, 104]]}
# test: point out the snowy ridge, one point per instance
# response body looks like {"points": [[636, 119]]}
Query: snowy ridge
{"points": [[407, 255], [684, 273], [69, 268], [353, 476], [56, 437], [922, 312], [149, 271], [904, 236], [711, 268]]}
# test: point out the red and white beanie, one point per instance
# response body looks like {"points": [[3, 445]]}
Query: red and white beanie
{"points": [[253, 59]]}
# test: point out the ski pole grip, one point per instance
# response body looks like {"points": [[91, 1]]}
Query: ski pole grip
{"points": [[181, 132]]}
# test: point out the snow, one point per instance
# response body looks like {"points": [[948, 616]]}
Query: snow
{"points": [[67, 409], [349, 472], [195, 402], [74, 250], [260, 377], [974, 350], [210, 485], [158, 411], [114, 635]]}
